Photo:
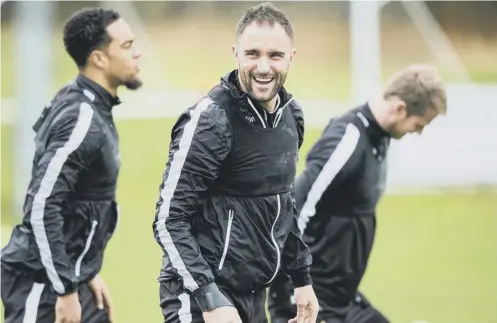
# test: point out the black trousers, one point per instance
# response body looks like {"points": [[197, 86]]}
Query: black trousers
{"points": [[26, 301], [181, 307], [282, 306]]}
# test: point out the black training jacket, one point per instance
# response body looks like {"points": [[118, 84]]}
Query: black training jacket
{"points": [[336, 196], [226, 219], [70, 211]]}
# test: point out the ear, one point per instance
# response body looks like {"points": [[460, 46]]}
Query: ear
{"points": [[234, 50], [401, 108], [292, 56], [98, 59]]}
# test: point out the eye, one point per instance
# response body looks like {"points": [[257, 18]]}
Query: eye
{"points": [[127, 44]]}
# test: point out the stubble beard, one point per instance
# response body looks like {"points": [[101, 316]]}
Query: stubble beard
{"points": [[249, 83], [133, 84]]}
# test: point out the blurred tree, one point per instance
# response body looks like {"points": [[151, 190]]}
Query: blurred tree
{"points": [[467, 17]]}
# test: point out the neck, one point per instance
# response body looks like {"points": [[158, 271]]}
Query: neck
{"points": [[100, 80], [269, 105], [380, 111]]}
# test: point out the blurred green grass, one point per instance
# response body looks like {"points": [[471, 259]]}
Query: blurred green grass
{"points": [[434, 258]]}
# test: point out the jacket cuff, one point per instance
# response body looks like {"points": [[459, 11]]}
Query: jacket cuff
{"points": [[209, 297], [300, 277], [69, 289]]}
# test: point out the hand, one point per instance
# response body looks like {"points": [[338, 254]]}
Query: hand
{"points": [[225, 314], [307, 305], [102, 296], [68, 309]]}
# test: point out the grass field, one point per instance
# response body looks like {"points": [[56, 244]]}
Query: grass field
{"points": [[434, 258]]}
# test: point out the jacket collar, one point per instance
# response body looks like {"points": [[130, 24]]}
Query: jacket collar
{"points": [[364, 113], [251, 108], [97, 93]]}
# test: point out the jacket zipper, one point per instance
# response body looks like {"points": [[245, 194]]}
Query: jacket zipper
{"points": [[278, 258], [77, 268], [227, 239]]}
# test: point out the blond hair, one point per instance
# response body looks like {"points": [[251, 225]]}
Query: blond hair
{"points": [[420, 87]]}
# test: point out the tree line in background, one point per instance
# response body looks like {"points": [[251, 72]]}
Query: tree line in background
{"points": [[462, 17]]}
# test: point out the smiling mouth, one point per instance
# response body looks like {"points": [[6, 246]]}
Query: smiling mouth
{"points": [[263, 80]]}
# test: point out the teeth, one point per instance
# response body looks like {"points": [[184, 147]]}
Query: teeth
{"points": [[263, 79]]}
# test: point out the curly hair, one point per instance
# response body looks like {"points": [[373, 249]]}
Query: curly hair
{"points": [[85, 31]]}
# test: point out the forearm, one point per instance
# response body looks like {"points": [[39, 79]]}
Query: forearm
{"points": [[178, 244], [297, 257], [297, 261], [173, 235], [47, 226]]}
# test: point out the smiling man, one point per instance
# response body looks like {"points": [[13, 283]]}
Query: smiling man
{"points": [[225, 218], [51, 265]]}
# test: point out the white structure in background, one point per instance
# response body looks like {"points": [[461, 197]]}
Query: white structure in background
{"points": [[33, 26], [459, 149]]}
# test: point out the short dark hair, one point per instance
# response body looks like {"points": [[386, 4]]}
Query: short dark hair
{"points": [[265, 13], [85, 31]]}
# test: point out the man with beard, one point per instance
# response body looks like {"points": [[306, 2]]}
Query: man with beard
{"points": [[337, 193], [225, 218], [51, 265]]}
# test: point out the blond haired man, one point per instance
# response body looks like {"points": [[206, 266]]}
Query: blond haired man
{"points": [[337, 193]]}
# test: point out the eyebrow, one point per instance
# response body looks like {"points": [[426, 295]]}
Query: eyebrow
{"points": [[127, 41], [272, 52]]}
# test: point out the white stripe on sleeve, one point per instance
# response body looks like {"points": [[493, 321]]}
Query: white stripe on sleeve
{"points": [[46, 186], [331, 168], [178, 160]]}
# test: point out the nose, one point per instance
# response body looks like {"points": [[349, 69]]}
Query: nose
{"points": [[137, 53], [263, 65]]}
